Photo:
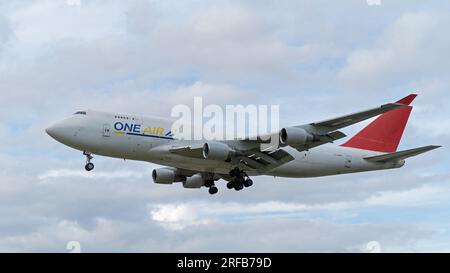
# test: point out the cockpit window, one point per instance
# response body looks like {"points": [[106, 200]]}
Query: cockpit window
{"points": [[80, 113]]}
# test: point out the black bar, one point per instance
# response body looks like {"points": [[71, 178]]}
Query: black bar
{"points": [[226, 262]]}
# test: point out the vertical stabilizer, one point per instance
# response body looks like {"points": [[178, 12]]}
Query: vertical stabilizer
{"points": [[384, 133]]}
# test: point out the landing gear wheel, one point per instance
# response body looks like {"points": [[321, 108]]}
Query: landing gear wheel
{"points": [[230, 185], [213, 190], [238, 187], [89, 167], [248, 183]]}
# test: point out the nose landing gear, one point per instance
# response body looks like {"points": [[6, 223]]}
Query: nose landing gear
{"points": [[89, 165]]}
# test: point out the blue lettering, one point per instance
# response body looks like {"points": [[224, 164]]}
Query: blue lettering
{"points": [[118, 126], [132, 128], [128, 127]]}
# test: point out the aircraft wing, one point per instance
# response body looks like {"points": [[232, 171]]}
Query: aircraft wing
{"points": [[254, 157], [334, 124], [327, 131], [397, 156]]}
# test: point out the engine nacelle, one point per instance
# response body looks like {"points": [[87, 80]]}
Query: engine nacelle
{"points": [[293, 136], [194, 182], [164, 176], [216, 151]]}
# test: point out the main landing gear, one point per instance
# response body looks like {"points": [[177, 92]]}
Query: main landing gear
{"points": [[209, 183], [240, 180], [89, 165]]}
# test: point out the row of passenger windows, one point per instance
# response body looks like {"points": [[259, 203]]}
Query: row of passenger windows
{"points": [[122, 117]]}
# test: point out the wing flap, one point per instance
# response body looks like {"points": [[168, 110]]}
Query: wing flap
{"points": [[252, 160], [262, 162], [401, 155]]}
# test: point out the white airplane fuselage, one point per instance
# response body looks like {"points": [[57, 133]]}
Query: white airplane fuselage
{"points": [[148, 139]]}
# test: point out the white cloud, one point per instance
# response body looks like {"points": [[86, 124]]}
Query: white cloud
{"points": [[176, 217], [183, 215], [35, 22], [416, 197], [57, 234], [410, 47]]}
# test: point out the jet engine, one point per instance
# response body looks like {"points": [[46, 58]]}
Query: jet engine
{"points": [[217, 151], [194, 182], [293, 136], [164, 176]]}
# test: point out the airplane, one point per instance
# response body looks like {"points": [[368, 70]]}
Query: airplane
{"points": [[303, 151]]}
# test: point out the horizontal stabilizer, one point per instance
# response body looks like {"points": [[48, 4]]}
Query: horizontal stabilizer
{"points": [[401, 155]]}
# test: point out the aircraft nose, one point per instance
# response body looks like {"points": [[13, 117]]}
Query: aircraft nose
{"points": [[50, 130], [62, 131], [66, 131], [54, 131]]}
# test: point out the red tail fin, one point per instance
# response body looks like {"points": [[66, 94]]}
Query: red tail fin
{"points": [[384, 133]]}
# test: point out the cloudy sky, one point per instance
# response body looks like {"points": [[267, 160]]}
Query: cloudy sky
{"points": [[316, 59]]}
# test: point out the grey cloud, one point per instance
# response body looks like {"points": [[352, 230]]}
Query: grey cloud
{"points": [[5, 31], [6, 34], [252, 236], [112, 215], [298, 235]]}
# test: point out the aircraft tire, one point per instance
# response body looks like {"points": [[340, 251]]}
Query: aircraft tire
{"points": [[89, 167], [213, 190], [248, 183]]}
